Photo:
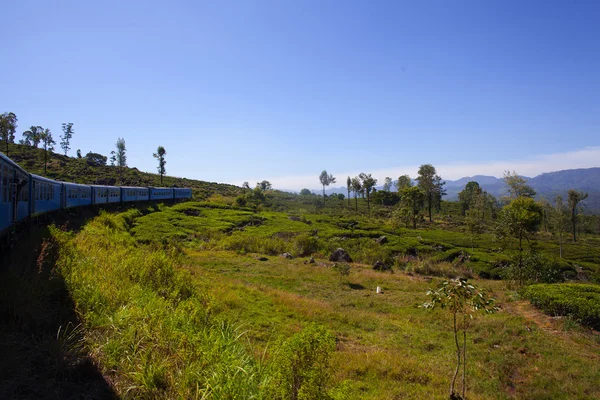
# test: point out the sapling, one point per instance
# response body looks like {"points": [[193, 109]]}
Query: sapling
{"points": [[460, 298]]}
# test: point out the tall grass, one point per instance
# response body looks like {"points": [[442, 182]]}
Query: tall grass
{"points": [[147, 325]]}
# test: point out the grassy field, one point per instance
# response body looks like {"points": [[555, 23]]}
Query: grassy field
{"points": [[195, 300]]}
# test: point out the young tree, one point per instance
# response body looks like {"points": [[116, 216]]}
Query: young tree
{"points": [[368, 182], [79, 153], [475, 216], [160, 156], [574, 198], [403, 182], [305, 192], [517, 186], [413, 199], [387, 184], [113, 158], [245, 185], [326, 180], [48, 143], [33, 135], [8, 127], [461, 299], [560, 221], [120, 156], [68, 132], [432, 186], [356, 188], [349, 186], [520, 219]]}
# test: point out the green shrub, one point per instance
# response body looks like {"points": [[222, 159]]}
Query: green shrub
{"points": [[301, 368], [305, 245], [578, 301]]}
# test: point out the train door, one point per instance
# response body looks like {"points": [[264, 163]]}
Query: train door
{"points": [[6, 218]]}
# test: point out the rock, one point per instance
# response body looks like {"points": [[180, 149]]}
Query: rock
{"points": [[287, 255], [340, 255], [382, 240], [295, 218], [379, 266], [311, 261], [262, 259]]}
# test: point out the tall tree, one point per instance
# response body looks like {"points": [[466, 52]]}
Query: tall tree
{"points": [[368, 183], [65, 141], [412, 199], [120, 156], [520, 219], [349, 186], [432, 186], [468, 194], [264, 185], [326, 180], [160, 156], [8, 127], [517, 185], [113, 158], [574, 199], [356, 188], [387, 184], [560, 221], [403, 182], [33, 135], [48, 143]]}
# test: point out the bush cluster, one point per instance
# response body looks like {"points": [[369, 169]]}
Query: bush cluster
{"points": [[578, 301]]}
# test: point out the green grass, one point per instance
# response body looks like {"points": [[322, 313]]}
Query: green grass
{"points": [[578, 301], [178, 303], [147, 325]]}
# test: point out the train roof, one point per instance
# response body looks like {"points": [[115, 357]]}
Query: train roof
{"points": [[41, 178], [75, 184], [105, 186], [133, 187], [11, 162]]}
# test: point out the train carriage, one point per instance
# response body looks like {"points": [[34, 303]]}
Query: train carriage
{"points": [[105, 194], [45, 195], [161, 193], [76, 195], [131, 193], [14, 193], [182, 193]]}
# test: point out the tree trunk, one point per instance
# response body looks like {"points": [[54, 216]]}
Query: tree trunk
{"points": [[457, 358], [560, 246], [355, 202], [574, 223], [464, 380], [348, 197], [429, 205]]}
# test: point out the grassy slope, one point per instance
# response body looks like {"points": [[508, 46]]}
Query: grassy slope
{"points": [[387, 346]]}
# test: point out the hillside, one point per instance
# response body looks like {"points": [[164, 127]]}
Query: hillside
{"points": [[78, 170], [547, 186]]}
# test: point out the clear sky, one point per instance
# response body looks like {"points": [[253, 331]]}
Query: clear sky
{"points": [[280, 90]]}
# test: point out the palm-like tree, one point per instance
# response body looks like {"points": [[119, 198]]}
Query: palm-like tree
{"points": [[33, 135]]}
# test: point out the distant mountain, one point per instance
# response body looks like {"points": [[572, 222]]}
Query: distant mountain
{"points": [[547, 185]]}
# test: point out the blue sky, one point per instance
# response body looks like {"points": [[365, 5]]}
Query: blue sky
{"points": [[279, 90]]}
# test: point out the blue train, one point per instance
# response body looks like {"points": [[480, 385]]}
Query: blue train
{"points": [[24, 195]]}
